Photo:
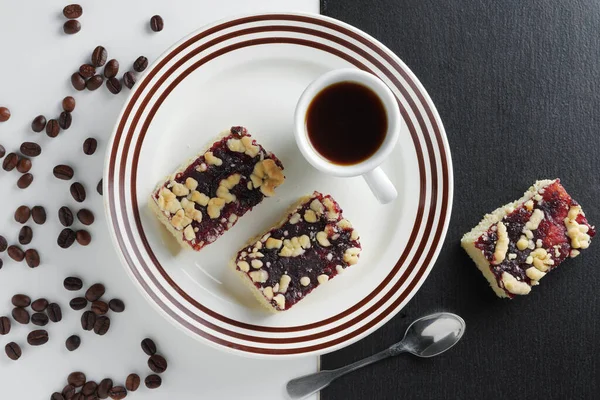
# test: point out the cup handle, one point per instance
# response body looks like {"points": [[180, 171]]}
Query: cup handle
{"points": [[381, 186]]}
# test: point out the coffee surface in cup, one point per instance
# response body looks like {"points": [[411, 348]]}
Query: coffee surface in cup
{"points": [[346, 123]]}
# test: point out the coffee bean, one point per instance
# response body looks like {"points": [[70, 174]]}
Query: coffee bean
{"points": [[13, 351], [37, 337], [153, 381], [39, 319], [156, 23], [76, 379], [4, 114], [16, 253], [65, 216], [99, 307], [3, 244], [31, 149], [140, 64], [68, 392], [24, 181], [10, 162], [73, 342], [63, 172], [71, 27], [89, 146], [39, 305], [157, 363], [20, 315], [24, 165], [117, 393], [148, 346], [132, 383], [83, 237], [78, 192], [94, 82], [65, 120], [78, 81], [99, 187], [89, 388], [128, 80], [116, 305], [25, 235], [104, 388], [20, 300], [113, 85], [57, 396], [99, 56], [54, 312], [68, 104], [78, 303], [39, 215], [72, 283], [102, 325], [22, 214], [85, 216], [38, 124], [52, 128], [32, 258], [2, 151], [88, 319], [66, 238], [112, 69], [73, 11], [1, 263], [87, 70], [95, 292], [4, 325]]}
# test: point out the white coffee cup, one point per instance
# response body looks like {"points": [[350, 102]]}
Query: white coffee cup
{"points": [[369, 169]]}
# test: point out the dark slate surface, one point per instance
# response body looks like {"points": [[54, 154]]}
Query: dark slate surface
{"points": [[516, 84]]}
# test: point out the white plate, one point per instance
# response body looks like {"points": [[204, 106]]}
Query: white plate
{"points": [[250, 71]]}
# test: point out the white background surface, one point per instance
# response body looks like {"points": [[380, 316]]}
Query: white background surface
{"points": [[36, 61]]}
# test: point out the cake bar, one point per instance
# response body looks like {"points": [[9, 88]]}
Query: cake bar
{"points": [[310, 246], [519, 243], [207, 195]]}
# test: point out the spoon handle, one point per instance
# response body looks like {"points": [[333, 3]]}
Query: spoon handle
{"points": [[304, 386]]}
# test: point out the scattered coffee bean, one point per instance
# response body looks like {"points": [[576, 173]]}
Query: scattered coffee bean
{"points": [[99, 187], [99, 56], [113, 85], [20, 300], [68, 104], [99, 307], [157, 363], [116, 305], [39, 305], [4, 325], [76, 379], [78, 303], [22, 214], [54, 312], [20, 315], [65, 216], [13, 351], [4, 114], [24, 181], [71, 27], [156, 23], [1, 263], [25, 235], [31, 149], [66, 238], [63, 172], [128, 80], [104, 388], [102, 325], [83, 237], [140, 64], [68, 392], [77, 81], [78, 192], [73, 342], [153, 381], [38, 124], [94, 82], [89, 388], [24, 165], [39, 215], [37, 337], [149, 347], [10, 162], [32, 258], [52, 128], [73, 11], [112, 69], [3, 244], [132, 383], [65, 120], [85, 216], [57, 396], [88, 320], [72, 283], [95, 292], [89, 146], [87, 70], [117, 393], [39, 319], [16, 253], [2, 151]]}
